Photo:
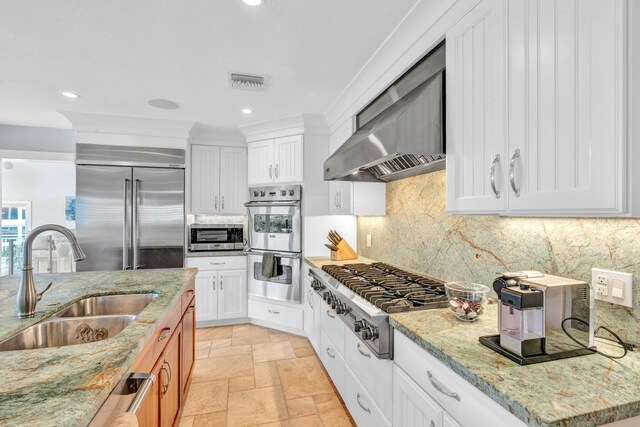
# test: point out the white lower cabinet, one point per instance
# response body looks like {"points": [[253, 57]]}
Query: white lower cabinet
{"points": [[463, 402], [280, 316], [312, 306], [333, 362], [333, 326], [361, 406], [376, 375], [412, 406], [221, 288]]}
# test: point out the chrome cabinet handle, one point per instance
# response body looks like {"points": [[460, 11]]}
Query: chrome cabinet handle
{"points": [[309, 294], [217, 263], [277, 170], [125, 239], [340, 199], [215, 203], [333, 356], [492, 176], [432, 424], [441, 388], [335, 200], [273, 311], [222, 200], [329, 314], [221, 285], [367, 355], [165, 334], [141, 384], [512, 174], [165, 387], [270, 169], [214, 284], [367, 410]]}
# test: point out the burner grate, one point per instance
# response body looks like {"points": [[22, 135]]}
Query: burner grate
{"points": [[389, 288]]}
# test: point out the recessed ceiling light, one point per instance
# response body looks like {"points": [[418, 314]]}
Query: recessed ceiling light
{"points": [[252, 2], [247, 111], [164, 104], [69, 94]]}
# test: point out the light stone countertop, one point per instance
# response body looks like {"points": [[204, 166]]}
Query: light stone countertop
{"points": [[66, 386], [580, 391]]}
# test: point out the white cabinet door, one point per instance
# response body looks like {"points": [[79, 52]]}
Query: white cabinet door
{"points": [[315, 330], [340, 198], [412, 407], [288, 159], [567, 89], [476, 99], [233, 180], [308, 308], [205, 179], [447, 421], [206, 295], [232, 294], [260, 162]]}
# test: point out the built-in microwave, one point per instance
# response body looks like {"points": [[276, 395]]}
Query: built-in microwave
{"points": [[216, 237]]}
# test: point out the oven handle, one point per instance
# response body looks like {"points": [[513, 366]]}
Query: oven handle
{"points": [[278, 254], [271, 204]]}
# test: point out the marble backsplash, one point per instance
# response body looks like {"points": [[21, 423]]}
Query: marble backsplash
{"points": [[418, 234]]}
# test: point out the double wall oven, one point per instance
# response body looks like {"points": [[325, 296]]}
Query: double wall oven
{"points": [[275, 226]]}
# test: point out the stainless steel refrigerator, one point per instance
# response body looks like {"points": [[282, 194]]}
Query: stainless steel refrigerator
{"points": [[129, 207]]}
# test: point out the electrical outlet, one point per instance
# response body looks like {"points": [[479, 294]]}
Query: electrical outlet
{"points": [[368, 240], [612, 286]]}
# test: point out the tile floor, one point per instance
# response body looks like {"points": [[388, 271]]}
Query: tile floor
{"points": [[247, 375]]}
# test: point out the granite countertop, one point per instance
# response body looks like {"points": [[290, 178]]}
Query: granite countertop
{"points": [[319, 261], [67, 385], [581, 391]]}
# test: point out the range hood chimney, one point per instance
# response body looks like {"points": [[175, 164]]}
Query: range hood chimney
{"points": [[400, 137]]}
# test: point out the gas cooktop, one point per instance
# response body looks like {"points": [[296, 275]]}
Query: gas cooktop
{"points": [[389, 288]]}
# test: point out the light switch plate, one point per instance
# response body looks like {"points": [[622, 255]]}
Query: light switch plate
{"points": [[368, 240], [612, 286]]}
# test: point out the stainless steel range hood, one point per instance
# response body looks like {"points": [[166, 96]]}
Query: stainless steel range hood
{"points": [[405, 139]]}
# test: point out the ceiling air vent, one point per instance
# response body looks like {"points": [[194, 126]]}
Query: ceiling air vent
{"points": [[247, 82]]}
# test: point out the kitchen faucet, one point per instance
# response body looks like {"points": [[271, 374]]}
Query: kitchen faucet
{"points": [[28, 297]]}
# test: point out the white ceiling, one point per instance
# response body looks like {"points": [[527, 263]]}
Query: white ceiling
{"points": [[118, 54]]}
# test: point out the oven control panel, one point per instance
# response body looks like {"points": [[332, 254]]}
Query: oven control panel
{"points": [[273, 193]]}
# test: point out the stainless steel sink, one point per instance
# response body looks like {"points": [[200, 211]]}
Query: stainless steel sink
{"points": [[108, 305], [57, 331]]}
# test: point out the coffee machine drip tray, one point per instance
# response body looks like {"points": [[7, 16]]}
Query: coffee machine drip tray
{"points": [[493, 342]]}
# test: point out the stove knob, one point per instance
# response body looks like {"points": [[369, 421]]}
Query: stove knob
{"points": [[367, 334], [326, 296], [262, 193], [290, 193], [334, 303], [283, 192], [341, 308], [255, 193], [357, 327]]}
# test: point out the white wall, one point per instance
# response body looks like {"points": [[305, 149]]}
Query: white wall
{"points": [[45, 184]]}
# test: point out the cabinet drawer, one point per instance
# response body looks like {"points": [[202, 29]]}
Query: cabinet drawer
{"points": [[218, 263], [375, 374], [332, 325], [332, 361], [165, 330], [414, 407], [471, 407], [362, 407], [278, 314], [187, 295]]}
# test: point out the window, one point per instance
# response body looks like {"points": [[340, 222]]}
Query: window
{"points": [[16, 222]]}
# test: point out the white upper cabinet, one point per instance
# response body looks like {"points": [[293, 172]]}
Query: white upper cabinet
{"points": [[233, 180], [288, 159], [218, 179], [260, 162], [559, 67], [277, 160], [205, 179], [476, 100], [566, 106]]}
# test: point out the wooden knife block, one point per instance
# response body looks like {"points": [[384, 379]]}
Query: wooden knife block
{"points": [[344, 252]]}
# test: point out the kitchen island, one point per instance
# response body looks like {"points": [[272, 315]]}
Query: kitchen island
{"points": [[67, 385], [581, 391]]}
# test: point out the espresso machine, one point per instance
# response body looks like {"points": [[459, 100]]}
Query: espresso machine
{"points": [[542, 318]]}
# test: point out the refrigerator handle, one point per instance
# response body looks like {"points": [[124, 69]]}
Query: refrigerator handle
{"points": [[134, 223], [125, 228]]}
